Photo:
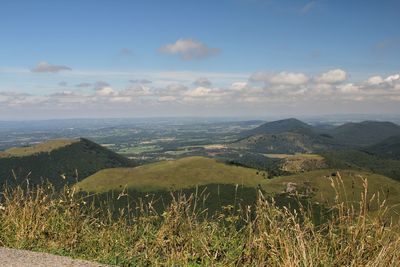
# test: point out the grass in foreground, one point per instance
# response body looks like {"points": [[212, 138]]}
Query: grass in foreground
{"points": [[184, 235]]}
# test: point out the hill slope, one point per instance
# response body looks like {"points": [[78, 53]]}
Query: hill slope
{"points": [[182, 173], [361, 160], [72, 159], [188, 173], [281, 126], [287, 136], [364, 133], [388, 148], [286, 143]]}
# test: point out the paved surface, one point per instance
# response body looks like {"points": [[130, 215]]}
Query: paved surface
{"points": [[24, 258]]}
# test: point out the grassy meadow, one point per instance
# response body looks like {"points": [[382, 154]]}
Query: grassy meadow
{"points": [[191, 172], [185, 234], [183, 173]]}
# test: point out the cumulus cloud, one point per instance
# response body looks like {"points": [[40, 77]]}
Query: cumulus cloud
{"points": [[106, 91], [332, 76], [202, 81], [279, 89], [44, 67], [348, 88], [375, 80], [238, 86], [100, 84], [167, 98], [189, 49], [198, 92], [393, 78], [283, 78], [137, 90]]}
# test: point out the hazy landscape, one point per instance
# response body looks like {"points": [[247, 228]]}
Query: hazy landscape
{"points": [[199, 133], [211, 171]]}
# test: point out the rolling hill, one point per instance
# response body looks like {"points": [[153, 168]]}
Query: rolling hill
{"points": [[291, 136], [364, 133], [171, 175], [281, 126], [286, 143], [287, 136], [388, 148], [361, 160], [188, 173], [59, 161]]}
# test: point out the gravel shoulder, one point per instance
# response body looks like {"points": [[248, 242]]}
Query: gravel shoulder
{"points": [[24, 258]]}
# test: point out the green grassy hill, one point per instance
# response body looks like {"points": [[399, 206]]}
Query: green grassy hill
{"points": [[319, 183], [36, 149], [287, 136], [59, 161], [285, 143], [388, 148], [361, 160], [188, 173], [364, 133], [281, 126], [171, 175]]}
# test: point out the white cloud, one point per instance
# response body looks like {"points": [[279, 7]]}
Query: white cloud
{"points": [[202, 81], [238, 86], [281, 78], [189, 49], [106, 91], [284, 89], [332, 76], [392, 78], [44, 67], [137, 90], [349, 88], [198, 92], [167, 98], [375, 80]]}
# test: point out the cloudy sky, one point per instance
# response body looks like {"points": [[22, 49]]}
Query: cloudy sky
{"points": [[107, 58]]}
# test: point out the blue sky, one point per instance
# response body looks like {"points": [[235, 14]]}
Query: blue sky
{"points": [[250, 55]]}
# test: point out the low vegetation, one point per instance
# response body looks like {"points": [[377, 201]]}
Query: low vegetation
{"points": [[184, 234]]}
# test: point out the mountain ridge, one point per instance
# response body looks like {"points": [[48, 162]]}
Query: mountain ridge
{"points": [[61, 165]]}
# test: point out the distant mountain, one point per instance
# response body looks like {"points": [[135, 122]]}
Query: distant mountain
{"points": [[287, 136], [388, 148], [59, 161], [364, 133], [282, 126], [287, 143]]}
